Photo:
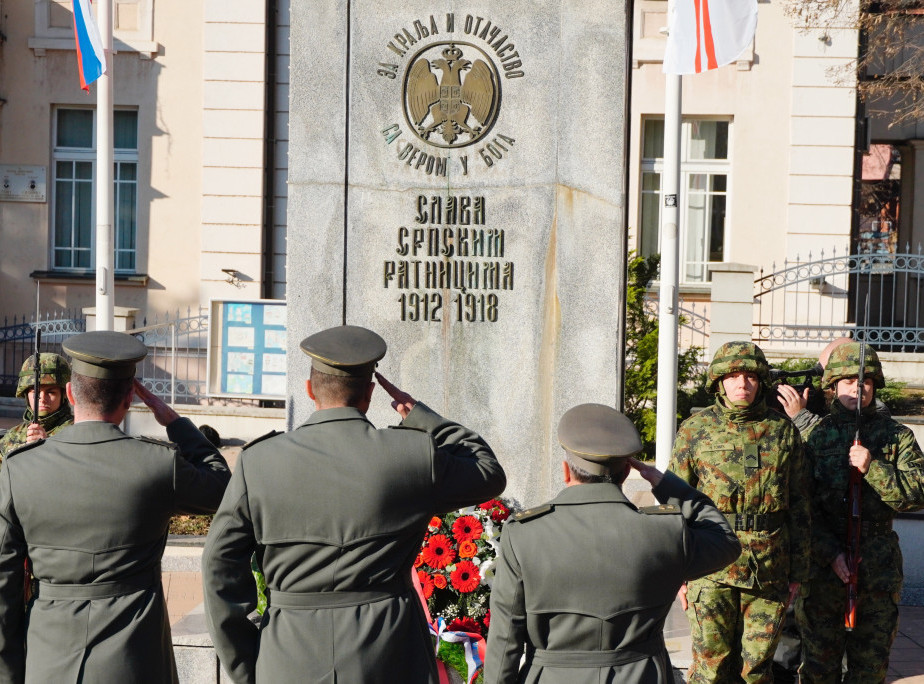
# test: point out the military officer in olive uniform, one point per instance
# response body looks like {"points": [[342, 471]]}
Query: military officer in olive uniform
{"points": [[90, 508], [335, 511], [584, 583], [892, 467], [749, 460], [54, 410]]}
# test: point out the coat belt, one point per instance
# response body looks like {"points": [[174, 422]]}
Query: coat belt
{"points": [[756, 522], [99, 590], [334, 599], [621, 656]]}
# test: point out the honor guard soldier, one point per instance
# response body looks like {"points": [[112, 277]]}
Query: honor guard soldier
{"points": [[54, 410], [749, 460], [90, 507], [585, 582], [335, 512], [891, 472]]}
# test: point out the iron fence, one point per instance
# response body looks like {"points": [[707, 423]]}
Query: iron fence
{"points": [[175, 369], [810, 302], [17, 341], [694, 325]]}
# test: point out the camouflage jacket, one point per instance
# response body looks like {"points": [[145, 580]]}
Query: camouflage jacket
{"points": [[16, 436], [894, 483], [750, 461]]}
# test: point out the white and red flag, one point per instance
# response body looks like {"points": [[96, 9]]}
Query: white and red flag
{"points": [[707, 34], [91, 58]]}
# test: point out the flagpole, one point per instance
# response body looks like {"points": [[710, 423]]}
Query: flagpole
{"points": [[668, 297], [105, 279]]}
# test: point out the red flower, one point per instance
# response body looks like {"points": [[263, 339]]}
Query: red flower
{"points": [[435, 522], [497, 510], [467, 528], [500, 514], [465, 578], [487, 619], [418, 561], [465, 624], [438, 553], [426, 583], [467, 549], [439, 581]]}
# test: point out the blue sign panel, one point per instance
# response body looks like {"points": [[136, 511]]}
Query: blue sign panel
{"points": [[253, 348]]}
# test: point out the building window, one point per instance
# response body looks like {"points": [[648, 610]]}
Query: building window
{"points": [[74, 209], [704, 170]]}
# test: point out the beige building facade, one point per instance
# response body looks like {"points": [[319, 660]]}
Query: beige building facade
{"points": [[196, 217]]}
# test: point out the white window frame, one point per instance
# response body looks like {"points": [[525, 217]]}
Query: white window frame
{"points": [[83, 154], [688, 167]]}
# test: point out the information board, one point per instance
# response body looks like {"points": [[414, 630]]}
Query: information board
{"points": [[247, 349]]}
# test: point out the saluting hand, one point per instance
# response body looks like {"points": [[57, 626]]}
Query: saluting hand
{"points": [[163, 414], [791, 400], [403, 402], [648, 472]]}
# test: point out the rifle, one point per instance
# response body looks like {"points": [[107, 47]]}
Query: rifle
{"points": [[38, 375], [854, 487]]}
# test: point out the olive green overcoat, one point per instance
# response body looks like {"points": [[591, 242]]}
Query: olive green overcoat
{"points": [[335, 511], [585, 583], [90, 507]]}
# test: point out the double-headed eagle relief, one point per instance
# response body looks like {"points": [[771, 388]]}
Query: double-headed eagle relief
{"points": [[458, 108]]}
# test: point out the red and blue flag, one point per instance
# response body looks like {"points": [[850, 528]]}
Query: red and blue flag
{"points": [[91, 59]]}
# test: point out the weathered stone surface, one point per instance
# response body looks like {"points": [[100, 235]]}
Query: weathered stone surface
{"points": [[545, 187]]}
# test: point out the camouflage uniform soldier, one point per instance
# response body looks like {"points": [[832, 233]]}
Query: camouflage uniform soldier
{"points": [[748, 459], [54, 410], [892, 466]]}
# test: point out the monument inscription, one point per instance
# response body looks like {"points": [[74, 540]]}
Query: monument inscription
{"points": [[445, 255]]}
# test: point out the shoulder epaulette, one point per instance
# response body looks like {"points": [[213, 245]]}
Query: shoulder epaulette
{"points": [[271, 433], [23, 448], [158, 442], [531, 513], [405, 427], [659, 509]]}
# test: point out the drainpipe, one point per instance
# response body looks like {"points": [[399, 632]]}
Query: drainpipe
{"points": [[268, 246]]}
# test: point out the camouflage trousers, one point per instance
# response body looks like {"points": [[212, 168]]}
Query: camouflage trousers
{"points": [[820, 612], [734, 632]]}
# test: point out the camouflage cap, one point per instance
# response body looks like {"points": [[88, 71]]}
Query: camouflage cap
{"points": [[347, 350], [105, 354], [735, 357], [54, 368], [597, 436], [845, 363]]}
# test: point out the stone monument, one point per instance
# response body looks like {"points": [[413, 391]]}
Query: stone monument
{"points": [[456, 183]]}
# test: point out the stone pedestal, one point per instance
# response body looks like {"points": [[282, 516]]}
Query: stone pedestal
{"points": [[731, 315], [456, 180]]}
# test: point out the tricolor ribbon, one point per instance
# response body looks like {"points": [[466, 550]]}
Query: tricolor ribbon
{"points": [[473, 642]]}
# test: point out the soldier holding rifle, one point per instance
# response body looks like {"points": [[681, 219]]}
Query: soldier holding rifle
{"points": [[41, 383], [891, 467]]}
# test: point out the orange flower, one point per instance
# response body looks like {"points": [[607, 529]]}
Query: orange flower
{"points": [[418, 561], [438, 553], [465, 578], [435, 522], [467, 528], [439, 581], [426, 583], [467, 549]]}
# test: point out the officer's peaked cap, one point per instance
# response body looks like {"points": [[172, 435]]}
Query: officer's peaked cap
{"points": [[347, 350], [105, 354], [597, 436]]}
